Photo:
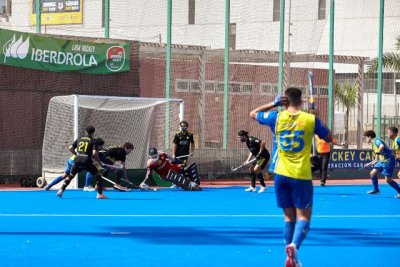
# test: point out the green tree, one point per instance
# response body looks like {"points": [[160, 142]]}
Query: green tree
{"points": [[390, 60], [347, 95]]}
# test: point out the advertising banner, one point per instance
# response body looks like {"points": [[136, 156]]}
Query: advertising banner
{"points": [[33, 51], [351, 158], [55, 12]]}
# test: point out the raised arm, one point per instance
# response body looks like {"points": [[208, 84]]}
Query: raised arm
{"points": [[279, 101]]}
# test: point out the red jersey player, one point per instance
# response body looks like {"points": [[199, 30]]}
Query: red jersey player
{"points": [[161, 163]]}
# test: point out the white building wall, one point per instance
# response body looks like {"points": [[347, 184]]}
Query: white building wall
{"points": [[356, 24], [356, 28]]}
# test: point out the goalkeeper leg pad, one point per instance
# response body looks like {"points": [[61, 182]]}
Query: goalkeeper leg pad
{"points": [[181, 181], [192, 173]]}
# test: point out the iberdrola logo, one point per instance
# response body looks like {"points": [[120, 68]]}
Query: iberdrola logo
{"points": [[16, 49], [115, 58]]}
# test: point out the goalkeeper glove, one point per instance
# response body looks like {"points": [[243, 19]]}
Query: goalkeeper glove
{"points": [[280, 101]]}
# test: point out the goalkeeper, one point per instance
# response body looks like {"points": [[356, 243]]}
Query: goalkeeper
{"points": [[160, 162], [114, 158]]}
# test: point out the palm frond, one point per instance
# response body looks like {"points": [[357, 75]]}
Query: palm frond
{"points": [[347, 94], [390, 61]]}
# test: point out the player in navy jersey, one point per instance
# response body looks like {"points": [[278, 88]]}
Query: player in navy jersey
{"points": [[257, 150], [85, 150]]}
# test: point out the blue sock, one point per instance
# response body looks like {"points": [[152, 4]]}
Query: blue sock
{"points": [[288, 231], [300, 232], [374, 180], [55, 181], [88, 181], [395, 185]]}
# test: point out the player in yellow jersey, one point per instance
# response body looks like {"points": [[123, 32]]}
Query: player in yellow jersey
{"points": [[392, 133], [293, 130]]}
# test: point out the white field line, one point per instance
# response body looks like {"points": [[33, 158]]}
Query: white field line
{"points": [[191, 215]]}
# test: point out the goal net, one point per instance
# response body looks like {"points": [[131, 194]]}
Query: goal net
{"points": [[144, 122]]}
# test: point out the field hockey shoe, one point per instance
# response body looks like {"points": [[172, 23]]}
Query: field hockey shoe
{"points": [[397, 196], [250, 189], [101, 196], [60, 193], [88, 188], [47, 187], [292, 260], [262, 189], [374, 192]]}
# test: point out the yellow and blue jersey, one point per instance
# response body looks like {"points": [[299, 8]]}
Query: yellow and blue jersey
{"points": [[293, 134], [396, 145], [386, 153]]}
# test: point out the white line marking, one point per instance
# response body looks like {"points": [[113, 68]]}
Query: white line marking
{"points": [[193, 215], [120, 233]]}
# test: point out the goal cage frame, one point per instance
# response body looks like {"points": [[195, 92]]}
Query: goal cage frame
{"points": [[153, 104]]}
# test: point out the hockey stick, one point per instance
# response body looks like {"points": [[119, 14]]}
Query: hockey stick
{"points": [[369, 164], [115, 185], [184, 156], [312, 107], [145, 187], [136, 186], [244, 164]]}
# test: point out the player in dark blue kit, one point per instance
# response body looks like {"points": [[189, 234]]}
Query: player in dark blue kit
{"points": [[113, 158], [88, 187], [183, 143], [257, 150]]}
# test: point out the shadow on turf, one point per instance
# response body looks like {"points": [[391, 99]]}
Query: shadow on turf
{"points": [[255, 236]]}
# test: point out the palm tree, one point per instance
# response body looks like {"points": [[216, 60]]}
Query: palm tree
{"points": [[390, 60], [347, 95]]}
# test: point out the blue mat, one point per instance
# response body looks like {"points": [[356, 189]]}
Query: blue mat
{"points": [[214, 227]]}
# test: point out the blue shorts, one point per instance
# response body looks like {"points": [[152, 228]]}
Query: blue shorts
{"points": [[386, 168], [69, 165], [291, 192]]}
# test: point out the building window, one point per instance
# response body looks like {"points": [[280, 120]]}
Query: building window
{"points": [[210, 87], [220, 88], [195, 86], [234, 88], [323, 91], [246, 88], [232, 36], [5, 8], [321, 9], [187, 85], [268, 89], [276, 10], [182, 86], [192, 12]]}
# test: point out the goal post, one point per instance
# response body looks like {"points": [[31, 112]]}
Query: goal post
{"points": [[138, 120]]}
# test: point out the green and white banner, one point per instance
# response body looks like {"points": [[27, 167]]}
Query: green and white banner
{"points": [[33, 51]]}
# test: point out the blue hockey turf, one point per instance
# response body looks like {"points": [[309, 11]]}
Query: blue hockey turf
{"points": [[215, 227]]}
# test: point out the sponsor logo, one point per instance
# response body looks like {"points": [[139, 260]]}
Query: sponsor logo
{"points": [[115, 58], [16, 48]]}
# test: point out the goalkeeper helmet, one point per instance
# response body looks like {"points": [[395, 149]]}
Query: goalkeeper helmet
{"points": [[153, 153]]}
